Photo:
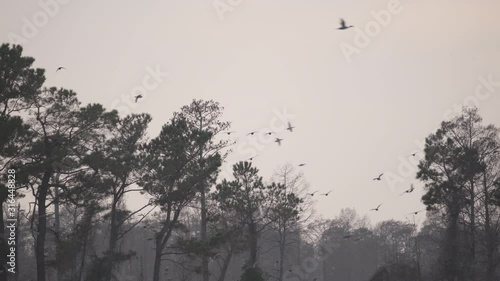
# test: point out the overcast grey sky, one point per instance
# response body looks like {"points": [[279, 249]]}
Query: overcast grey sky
{"points": [[355, 116]]}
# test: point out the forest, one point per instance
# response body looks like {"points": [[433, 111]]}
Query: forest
{"points": [[73, 169]]}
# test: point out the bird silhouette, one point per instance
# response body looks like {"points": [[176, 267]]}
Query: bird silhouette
{"points": [[290, 127], [312, 194], [413, 154], [137, 98], [409, 190], [347, 236], [326, 194], [251, 158], [229, 133], [343, 26], [378, 178], [376, 209], [302, 164], [278, 140], [60, 68], [251, 133], [415, 213], [269, 133]]}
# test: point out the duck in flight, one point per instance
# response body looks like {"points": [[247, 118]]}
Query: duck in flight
{"points": [[376, 209], [416, 213], [378, 178], [251, 158], [343, 26], [302, 164], [278, 140], [251, 133], [409, 190], [413, 154], [269, 133], [60, 68], [137, 98], [229, 133], [312, 194], [290, 127], [326, 194]]}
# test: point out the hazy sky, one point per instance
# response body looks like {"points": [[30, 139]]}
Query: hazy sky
{"points": [[354, 120]]}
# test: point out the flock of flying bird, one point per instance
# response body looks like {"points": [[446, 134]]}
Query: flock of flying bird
{"points": [[290, 128]]}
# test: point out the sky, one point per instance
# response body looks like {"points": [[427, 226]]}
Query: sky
{"points": [[361, 100]]}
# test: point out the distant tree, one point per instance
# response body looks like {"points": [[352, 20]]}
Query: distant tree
{"points": [[397, 241], [252, 201], [174, 174], [287, 210]]}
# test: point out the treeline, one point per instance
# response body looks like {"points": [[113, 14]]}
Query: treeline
{"points": [[78, 165]]}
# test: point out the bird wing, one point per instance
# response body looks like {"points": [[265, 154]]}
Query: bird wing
{"points": [[381, 175], [342, 23]]}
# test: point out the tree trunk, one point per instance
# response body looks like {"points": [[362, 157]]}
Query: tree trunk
{"points": [[452, 270], [161, 240], [42, 226], [282, 255], [57, 225], [203, 232], [109, 259], [158, 250], [490, 236], [472, 232], [253, 243], [225, 264]]}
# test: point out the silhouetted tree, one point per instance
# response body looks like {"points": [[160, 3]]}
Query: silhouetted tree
{"points": [[174, 174], [19, 82], [206, 116]]}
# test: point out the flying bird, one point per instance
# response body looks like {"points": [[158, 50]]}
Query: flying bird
{"points": [[137, 98], [251, 133], [229, 133], [376, 209], [302, 164], [290, 127], [60, 68], [343, 26], [378, 178], [312, 194], [326, 194], [409, 190], [413, 154], [269, 133], [416, 213], [251, 158], [347, 236], [278, 140]]}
